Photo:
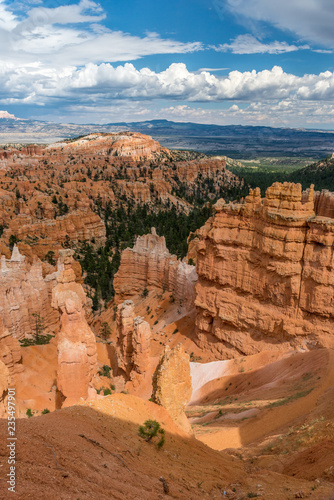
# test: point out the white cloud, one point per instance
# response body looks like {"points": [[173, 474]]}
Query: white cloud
{"points": [[248, 44], [73, 35], [311, 20], [97, 83]]}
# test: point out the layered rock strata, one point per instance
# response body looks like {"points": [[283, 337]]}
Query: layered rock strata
{"points": [[133, 341], [24, 291], [10, 351], [150, 265], [172, 386], [265, 272], [76, 344]]}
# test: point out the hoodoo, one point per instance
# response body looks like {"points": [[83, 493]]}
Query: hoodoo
{"points": [[76, 344]]}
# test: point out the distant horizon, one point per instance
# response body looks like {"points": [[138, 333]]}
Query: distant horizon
{"points": [[216, 62], [157, 120]]}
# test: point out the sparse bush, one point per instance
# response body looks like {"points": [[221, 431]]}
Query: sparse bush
{"points": [[144, 292], [29, 413], [46, 410], [151, 429], [105, 371], [106, 392]]}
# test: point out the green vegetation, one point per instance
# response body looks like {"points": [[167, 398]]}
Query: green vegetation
{"points": [[29, 413], [105, 371], [49, 257], [46, 410], [284, 401], [13, 240], [264, 172], [38, 337], [123, 225], [105, 330], [42, 340], [151, 429]]}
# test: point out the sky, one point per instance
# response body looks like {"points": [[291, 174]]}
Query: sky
{"points": [[246, 62]]}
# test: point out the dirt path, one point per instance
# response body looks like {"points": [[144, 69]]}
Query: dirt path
{"points": [[271, 419]]}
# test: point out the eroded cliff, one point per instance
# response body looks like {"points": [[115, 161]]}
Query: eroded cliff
{"points": [[150, 265], [265, 272]]}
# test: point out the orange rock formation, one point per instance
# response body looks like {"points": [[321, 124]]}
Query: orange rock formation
{"points": [[172, 387], [76, 344], [133, 342], [10, 350], [264, 272], [24, 291], [150, 265]]}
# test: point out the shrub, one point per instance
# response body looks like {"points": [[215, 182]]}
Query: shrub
{"points": [[105, 371], [42, 340], [29, 413], [106, 392], [46, 410], [151, 429], [144, 292]]}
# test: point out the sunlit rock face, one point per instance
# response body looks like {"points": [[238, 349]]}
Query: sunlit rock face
{"points": [[150, 265], [24, 291], [172, 384], [76, 344], [265, 272]]}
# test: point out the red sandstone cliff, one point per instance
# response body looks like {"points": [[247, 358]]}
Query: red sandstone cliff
{"points": [[265, 272]]}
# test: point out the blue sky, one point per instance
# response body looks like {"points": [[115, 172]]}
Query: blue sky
{"points": [[256, 62]]}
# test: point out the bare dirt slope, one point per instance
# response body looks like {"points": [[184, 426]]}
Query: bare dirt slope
{"points": [[93, 451]]}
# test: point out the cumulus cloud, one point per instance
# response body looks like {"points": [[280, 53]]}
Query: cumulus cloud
{"points": [[101, 82], [248, 44], [98, 83], [311, 20]]}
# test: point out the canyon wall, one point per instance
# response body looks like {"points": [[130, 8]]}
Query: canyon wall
{"points": [[150, 265], [24, 291], [265, 272]]}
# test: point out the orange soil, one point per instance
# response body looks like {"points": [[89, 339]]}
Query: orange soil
{"points": [[302, 377], [93, 451]]}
